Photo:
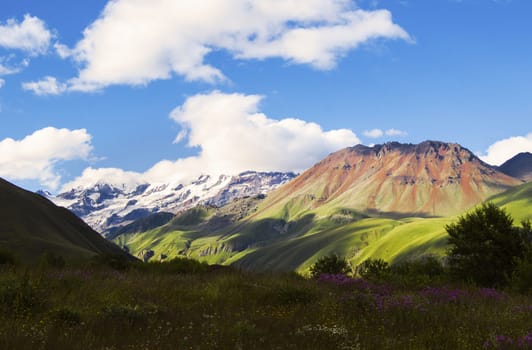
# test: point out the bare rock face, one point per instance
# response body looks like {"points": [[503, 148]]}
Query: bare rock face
{"points": [[431, 178]]}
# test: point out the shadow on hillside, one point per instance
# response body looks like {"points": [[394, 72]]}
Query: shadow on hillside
{"points": [[398, 215], [421, 250]]}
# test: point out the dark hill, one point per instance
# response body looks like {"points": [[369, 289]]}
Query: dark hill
{"points": [[520, 166], [31, 225]]}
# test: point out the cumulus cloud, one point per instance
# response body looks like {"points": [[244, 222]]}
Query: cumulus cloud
{"points": [[47, 86], [112, 176], [2, 83], [166, 37], [373, 133], [376, 133], [35, 156], [30, 35], [502, 150], [234, 136], [395, 132]]}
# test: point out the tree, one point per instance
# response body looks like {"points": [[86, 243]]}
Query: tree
{"points": [[332, 264], [485, 246], [373, 269]]}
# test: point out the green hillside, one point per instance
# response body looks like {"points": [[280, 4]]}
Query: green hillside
{"points": [[294, 236], [517, 201], [31, 225]]}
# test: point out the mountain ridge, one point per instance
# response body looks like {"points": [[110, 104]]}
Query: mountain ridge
{"points": [[519, 166], [106, 207], [432, 178]]}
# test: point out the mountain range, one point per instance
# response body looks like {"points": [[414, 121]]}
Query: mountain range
{"points": [[107, 207], [390, 201]]}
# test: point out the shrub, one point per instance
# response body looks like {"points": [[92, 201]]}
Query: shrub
{"points": [[178, 265], [21, 296], [53, 260], [331, 264], [293, 295], [485, 246], [117, 262], [427, 266], [6, 258], [522, 276], [373, 269]]}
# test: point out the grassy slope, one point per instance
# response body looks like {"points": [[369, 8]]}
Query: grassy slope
{"points": [[517, 201], [293, 236], [31, 225]]}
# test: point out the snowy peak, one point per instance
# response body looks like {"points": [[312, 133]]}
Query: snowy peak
{"points": [[104, 206]]}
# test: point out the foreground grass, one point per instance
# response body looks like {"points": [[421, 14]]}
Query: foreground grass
{"points": [[153, 308]]}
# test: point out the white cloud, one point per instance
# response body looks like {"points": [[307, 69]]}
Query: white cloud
{"points": [[35, 156], [62, 50], [374, 133], [30, 35], [47, 86], [2, 83], [395, 132], [112, 176], [4, 70], [502, 150], [166, 37], [233, 136]]}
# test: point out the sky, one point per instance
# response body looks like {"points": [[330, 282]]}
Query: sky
{"points": [[133, 91]]}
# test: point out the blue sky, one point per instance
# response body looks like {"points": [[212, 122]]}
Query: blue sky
{"points": [[99, 90]]}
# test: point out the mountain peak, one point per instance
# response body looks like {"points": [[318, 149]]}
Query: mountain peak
{"points": [[430, 178], [424, 147], [519, 166]]}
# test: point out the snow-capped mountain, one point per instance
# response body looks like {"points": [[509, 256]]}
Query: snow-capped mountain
{"points": [[104, 206]]}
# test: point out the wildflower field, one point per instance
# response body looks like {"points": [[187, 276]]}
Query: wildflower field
{"points": [[156, 307]]}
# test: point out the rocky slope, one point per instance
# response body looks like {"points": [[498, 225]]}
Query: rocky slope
{"points": [[106, 208], [519, 166], [428, 179]]}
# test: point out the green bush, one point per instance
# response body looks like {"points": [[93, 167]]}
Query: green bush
{"points": [[427, 266], [177, 265], [290, 295], [117, 262], [522, 276], [373, 269], [485, 246], [332, 264]]}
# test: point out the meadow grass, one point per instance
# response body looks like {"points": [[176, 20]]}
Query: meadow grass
{"points": [[162, 306]]}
